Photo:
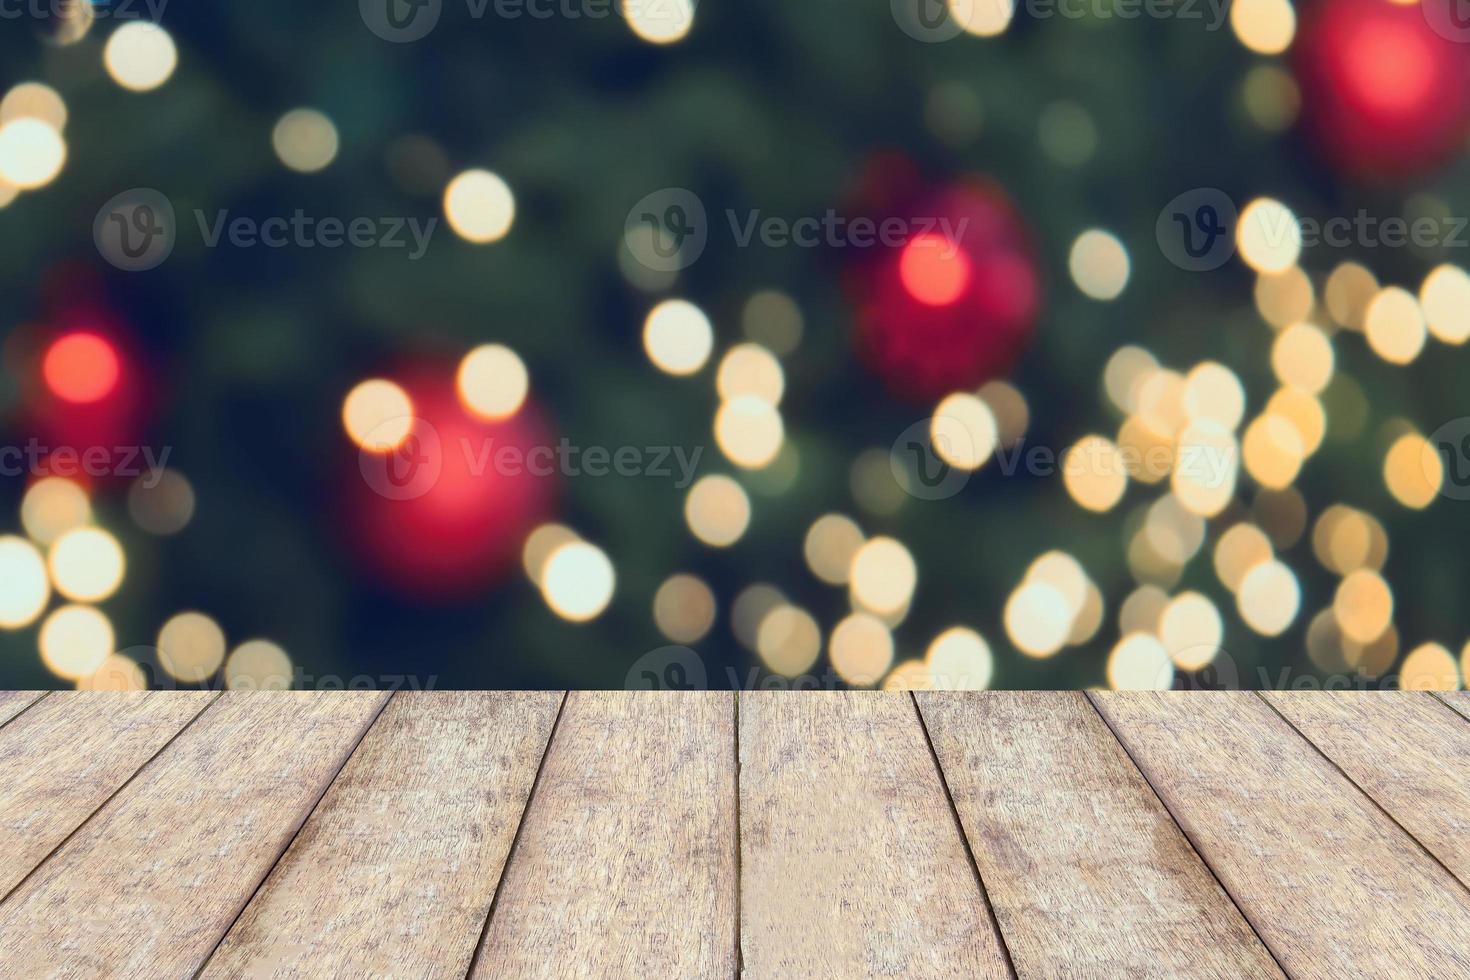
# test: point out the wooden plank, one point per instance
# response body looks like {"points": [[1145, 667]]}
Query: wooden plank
{"points": [[625, 864], [147, 887], [1406, 751], [1086, 870], [421, 818], [1459, 700], [1331, 885], [852, 863], [13, 703], [63, 758]]}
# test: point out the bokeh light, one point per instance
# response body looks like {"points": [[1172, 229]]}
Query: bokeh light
{"points": [[934, 270], [26, 588], [81, 368], [378, 415], [1099, 264], [749, 431], [883, 576], [684, 608], [1269, 597], [861, 649], [492, 381], [830, 545], [788, 640], [75, 640], [259, 665], [1268, 236], [479, 206], [140, 56], [191, 647], [717, 510], [578, 581], [86, 564], [678, 337], [305, 140], [51, 507]]}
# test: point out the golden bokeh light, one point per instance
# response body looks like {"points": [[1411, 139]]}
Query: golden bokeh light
{"points": [[1124, 375], [1363, 606], [479, 206], [1284, 298], [1038, 619], [1350, 288], [117, 673], [86, 564], [959, 659], [1268, 236], [1240, 549], [1206, 468], [664, 22], [1139, 662], [831, 543], [51, 507], [1213, 393], [1148, 456], [34, 100], [1346, 539], [1394, 325], [982, 18], [26, 588], [1008, 407], [578, 581], [861, 649], [191, 647], [75, 641], [1263, 26], [140, 56], [32, 153], [259, 665], [717, 510], [1098, 262], [678, 337], [883, 576], [684, 608], [492, 382], [1412, 471], [1269, 598], [750, 607], [1445, 300], [750, 369], [1095, 474], [539, 546], [1429, 667], [1302, 412], [305, 140], [1272, 451], [1302, 357], [749, 432], [963, 431], [1142, 610], [378, 415], [788, 640]]}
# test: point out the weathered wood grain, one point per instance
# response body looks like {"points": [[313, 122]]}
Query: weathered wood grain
{"points": [[64, 757], [13, 703], [150, 883], [1328, 881], [625, 863], [393, 874], [1459, 700], [1086, 870], [1406, 751], [852, 864]]}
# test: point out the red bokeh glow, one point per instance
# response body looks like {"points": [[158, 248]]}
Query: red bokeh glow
{"points": [[81, 368], [934, 270]]}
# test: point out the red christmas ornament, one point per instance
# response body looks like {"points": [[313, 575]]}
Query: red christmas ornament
{"points": [[447, 511], [953, 299], [1385, 93]]}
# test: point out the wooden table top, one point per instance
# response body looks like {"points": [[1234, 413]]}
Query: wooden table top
{"points": [[836, 835]]}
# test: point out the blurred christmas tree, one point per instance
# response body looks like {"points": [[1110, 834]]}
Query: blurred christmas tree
{"points": [[1051, 346]]}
